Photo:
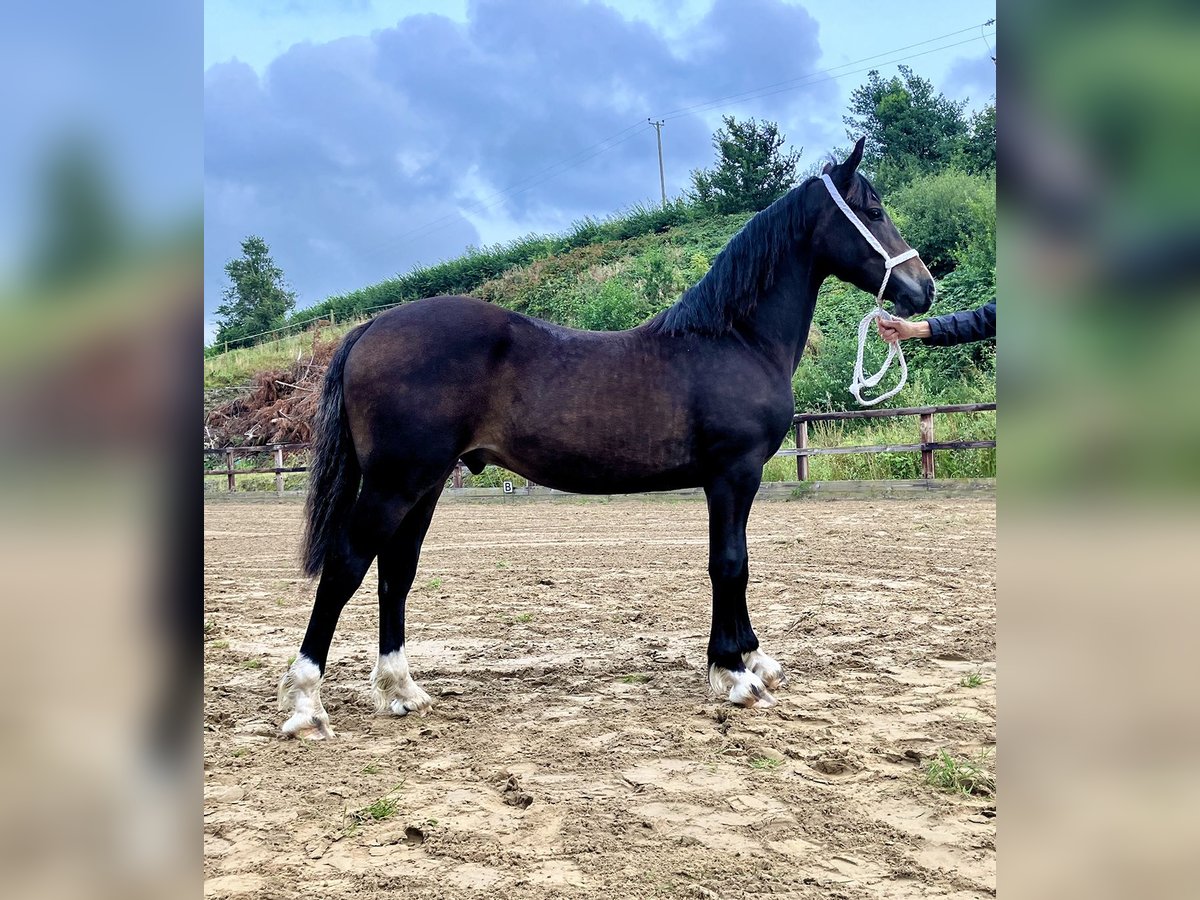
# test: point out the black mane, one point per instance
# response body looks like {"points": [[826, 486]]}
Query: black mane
{"points": [[746, 267], [741, 272]]}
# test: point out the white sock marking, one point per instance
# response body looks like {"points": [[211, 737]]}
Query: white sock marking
{"points": [[300, 694], [766, 668], [743, 688], [393, 689]]}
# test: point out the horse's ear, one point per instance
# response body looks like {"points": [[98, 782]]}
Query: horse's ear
{"points": [[827, 169], [852, 161], [843, 173]]}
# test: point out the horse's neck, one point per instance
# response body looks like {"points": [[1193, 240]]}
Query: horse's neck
{"points": [[784, 313]]}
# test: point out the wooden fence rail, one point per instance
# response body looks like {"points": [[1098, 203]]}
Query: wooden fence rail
{"points": [[803, 451], [926, 447]]}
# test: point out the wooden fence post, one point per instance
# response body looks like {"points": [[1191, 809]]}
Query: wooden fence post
{"points": [[229, 469], [278, 468], [926, 438], [802, 444], [457, 475]]}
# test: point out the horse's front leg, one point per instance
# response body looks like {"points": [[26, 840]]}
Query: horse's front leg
{"points": [[737, 669]]}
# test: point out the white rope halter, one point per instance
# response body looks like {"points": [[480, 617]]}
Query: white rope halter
{"points": [[858, 382]]}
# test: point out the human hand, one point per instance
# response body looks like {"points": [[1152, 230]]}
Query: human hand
{"points": [[896, 329]]}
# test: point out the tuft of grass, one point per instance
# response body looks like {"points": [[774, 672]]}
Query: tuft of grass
{"points": [[765, 763], [973, 680], [209, 626], [252, 664], [241, 751], [433, 584], [634, 678], [376, 811], [220, 645], [280, 601], [370, 769], [523, 617], [960, 776], [502, 565]]}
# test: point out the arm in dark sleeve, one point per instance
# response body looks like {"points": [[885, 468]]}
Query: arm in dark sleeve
{"points": [[963, 327]]}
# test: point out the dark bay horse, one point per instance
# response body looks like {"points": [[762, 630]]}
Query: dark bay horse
{"points": [[701, 395]]}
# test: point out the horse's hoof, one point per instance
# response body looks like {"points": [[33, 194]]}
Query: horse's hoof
{"points": [[741, 687], [419, 705], [766, 668], [300, 695], [393, 689], [758, 697], [308, 728]]}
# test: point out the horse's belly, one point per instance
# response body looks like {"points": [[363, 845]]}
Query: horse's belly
{"points": [[602, 467]]}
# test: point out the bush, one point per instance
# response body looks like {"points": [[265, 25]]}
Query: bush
{"points": [[949, 217], [613, 306]]}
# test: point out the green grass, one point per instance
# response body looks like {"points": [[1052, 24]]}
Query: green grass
{"points": [[433, 584], [376, 811], [503, 564], [220, 645], [765, 763], [634, 678], [239, 365], [292, 481], [523, 617], [252, 664], [370, 769], [956, 775], [973, 680]]}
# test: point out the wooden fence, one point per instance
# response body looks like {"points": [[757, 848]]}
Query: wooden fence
{"points": [[926, 447], [803, 451]]}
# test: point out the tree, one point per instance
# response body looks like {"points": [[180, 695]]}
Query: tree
{"points": [[910, 128], [83, 228], [979, 147], [257, 300], [751, 171]]}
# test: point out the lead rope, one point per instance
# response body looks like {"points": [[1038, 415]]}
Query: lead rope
{"points": [[859, 381]]}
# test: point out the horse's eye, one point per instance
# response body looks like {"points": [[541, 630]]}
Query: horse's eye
{"points": [[875, 213]]}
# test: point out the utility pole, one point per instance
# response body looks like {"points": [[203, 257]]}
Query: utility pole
{"points": [[662, 179]]}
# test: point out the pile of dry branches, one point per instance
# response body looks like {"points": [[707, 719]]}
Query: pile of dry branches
{"points": [[280, 406]]}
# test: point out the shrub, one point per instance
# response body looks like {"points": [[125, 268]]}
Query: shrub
{"points": [[613, 306], [948, 216]]}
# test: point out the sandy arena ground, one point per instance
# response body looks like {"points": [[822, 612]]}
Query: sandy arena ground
{"points": [[573, 750]]}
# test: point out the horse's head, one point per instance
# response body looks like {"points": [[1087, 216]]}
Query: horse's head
{"points": [[850, 256]]}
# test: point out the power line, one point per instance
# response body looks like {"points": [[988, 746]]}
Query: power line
{"points": [[675, 113], [717, 104]]}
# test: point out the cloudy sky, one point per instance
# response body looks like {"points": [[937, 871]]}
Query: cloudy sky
{"points": [[360, 138]]}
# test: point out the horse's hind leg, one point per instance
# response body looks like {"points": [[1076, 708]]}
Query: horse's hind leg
{"points": [[392, 685], [375, 516], [737, 669]]}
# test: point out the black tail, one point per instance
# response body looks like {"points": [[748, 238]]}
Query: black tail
{"points": [[333, 473]]}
